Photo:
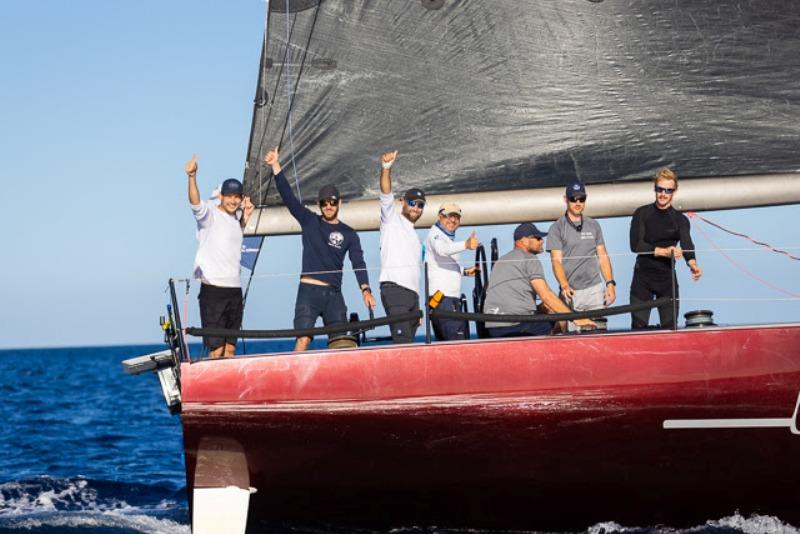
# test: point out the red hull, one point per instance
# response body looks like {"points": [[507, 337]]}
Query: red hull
{"points": [[545, 433]]}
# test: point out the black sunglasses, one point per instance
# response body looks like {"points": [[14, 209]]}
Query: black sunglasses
{"points": [[415, 203], [667, 190], [328, 202], [576, 200]]}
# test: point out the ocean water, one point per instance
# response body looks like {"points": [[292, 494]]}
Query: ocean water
{"points": [[85, 448]]}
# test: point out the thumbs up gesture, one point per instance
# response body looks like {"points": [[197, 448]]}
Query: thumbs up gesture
{"points": [[472, 241]]}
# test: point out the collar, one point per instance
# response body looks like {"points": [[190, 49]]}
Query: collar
{"points": [[445, 232]]}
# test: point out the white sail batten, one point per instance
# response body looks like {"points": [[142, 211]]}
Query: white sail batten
{"points": [[618, 199]]}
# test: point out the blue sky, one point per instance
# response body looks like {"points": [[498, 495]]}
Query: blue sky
{"points": [[102, 103]]}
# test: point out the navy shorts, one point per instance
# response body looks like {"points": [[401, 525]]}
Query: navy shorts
{"points": [[314, 301], [220, 307], [522, 329]]}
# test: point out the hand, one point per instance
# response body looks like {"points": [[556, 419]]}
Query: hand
{"points": [[472, 271], [369, 299], [567, 292], [272, 159], [587, 324], [191, 166], [472, 241], [247, 207], [388, 159], [697, 272], [611, 295]]}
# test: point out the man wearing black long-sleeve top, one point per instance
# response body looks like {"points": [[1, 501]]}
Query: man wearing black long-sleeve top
{"points": [[656, 230], [326, 240]]}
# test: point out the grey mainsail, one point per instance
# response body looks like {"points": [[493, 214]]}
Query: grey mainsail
{"points": [[506, 94]]}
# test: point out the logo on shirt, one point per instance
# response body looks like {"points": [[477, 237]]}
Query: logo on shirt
{"points": [[335, 239]]}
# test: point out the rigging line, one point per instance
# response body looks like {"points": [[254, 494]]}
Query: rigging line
{"points": [[299, 74], [745, 270], [744, 236], [274, 95], [289, 112]]}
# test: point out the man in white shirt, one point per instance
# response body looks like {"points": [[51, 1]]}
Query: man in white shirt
{"points": [[401, 252], [216, 265], [444, 271]]}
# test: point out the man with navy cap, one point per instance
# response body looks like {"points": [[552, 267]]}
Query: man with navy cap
{"points": [[326, 240], [217, 263], [516, 280], [579, 257], [401, 252]]}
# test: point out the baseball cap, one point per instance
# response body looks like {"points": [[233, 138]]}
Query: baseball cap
{"points": [[575, 189], [232, 186], [527, 230], [449, 207], [414, 194], [328, 192]]}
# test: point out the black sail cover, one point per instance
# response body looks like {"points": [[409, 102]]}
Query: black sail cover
{"points": [[482, 95]]}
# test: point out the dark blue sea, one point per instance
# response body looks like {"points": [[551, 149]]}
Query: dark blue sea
{"points": [[85, 448]]}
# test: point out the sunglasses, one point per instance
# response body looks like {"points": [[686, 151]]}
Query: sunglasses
{"points": [[667, 190], [416, 203], [576, 200], [328, 203]]}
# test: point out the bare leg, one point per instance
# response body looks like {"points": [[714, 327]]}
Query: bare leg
{"points": [[217, 353], [230, 350], [302, 343]]}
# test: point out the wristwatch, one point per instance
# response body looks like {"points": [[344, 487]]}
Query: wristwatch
{"points": [[611, 282]]}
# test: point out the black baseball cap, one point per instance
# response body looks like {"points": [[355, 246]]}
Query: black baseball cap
{"points": [[328, 192], [414, 194]]}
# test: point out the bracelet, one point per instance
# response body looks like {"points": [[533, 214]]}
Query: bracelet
{"points": [[387, 164]]}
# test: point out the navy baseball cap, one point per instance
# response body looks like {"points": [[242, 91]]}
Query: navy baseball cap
{"points": [[528, 230], [232, 186], [328, 192], [414, 194], [575, 189]]}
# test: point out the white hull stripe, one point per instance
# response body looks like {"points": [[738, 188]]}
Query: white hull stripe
{"points": [[790, 423]]}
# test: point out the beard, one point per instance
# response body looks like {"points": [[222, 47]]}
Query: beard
{"points": [[332, 217]]}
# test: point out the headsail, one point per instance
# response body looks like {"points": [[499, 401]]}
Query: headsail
{"points": [[485, 96]]}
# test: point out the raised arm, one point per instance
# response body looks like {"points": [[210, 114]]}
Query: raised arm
{"points": [[386, 171], [191, 172], [297, 209]]}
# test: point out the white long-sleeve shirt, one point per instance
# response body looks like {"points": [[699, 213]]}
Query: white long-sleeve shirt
{"points": [[401, 251], [220, 249], [444, 271]]}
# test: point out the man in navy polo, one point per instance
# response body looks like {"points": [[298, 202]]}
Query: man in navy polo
{"points": [[326, 240]]}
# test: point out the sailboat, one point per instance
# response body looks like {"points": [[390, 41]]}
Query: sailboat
{"points": [[495, 105]]}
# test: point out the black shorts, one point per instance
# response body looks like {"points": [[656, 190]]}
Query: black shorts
{"points": [[220, 307], [314, 301], [398, 300]]}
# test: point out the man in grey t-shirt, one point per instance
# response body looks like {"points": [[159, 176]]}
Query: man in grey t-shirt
{"points": [[517, 279], [579, 257]]}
